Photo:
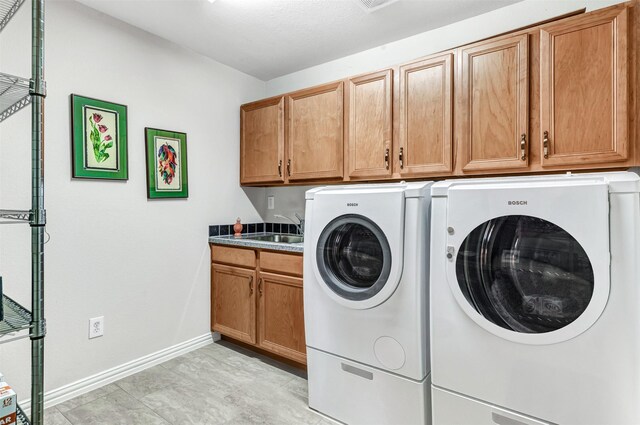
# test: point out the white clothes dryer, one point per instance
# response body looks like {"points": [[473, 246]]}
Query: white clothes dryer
{"points": [[366, 299], [535, 300]]}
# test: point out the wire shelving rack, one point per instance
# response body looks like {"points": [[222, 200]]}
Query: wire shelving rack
{"points": [[15, 94]]}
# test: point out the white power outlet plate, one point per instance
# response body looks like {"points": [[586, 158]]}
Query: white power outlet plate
{"points": [[96, 327], [271, 202]]}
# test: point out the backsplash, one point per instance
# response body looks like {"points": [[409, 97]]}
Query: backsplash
{"points": [[227, 229]]}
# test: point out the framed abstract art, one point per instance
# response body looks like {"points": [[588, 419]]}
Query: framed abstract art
{"points": [[98, 139], [166, 153]]}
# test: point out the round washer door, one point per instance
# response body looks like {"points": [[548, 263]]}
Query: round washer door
{"points": [[354, 260], [527, 280]]}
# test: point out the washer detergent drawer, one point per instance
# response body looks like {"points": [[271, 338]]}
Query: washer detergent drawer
{"points": [[454, 409], [356, 394]]}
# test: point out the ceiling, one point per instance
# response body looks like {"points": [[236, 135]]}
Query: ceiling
{"points": [[270, 38]]}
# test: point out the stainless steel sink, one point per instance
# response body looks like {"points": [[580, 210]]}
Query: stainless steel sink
{"points": [[278, 238]]}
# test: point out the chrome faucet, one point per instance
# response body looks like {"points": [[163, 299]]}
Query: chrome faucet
{"points": [[299, 226]]}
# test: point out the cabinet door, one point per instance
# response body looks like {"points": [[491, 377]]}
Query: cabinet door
{"points": [[262, 141], [315, 133], [426, 93], [494, 104], [233, 302], [369, 115], [583, 89], [281, 316]]}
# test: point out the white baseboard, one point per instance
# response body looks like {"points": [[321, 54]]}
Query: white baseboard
{"points": [[82, 386]]}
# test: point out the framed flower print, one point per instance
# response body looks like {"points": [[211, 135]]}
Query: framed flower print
{"points": [[98, 139], [166, 153]]}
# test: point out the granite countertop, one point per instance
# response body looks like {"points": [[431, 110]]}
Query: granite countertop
{"points": [[245, 240]]}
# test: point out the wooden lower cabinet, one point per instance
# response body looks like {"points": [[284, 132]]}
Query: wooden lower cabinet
{"points": [[261, 304], [281, 316], [233, 302]]}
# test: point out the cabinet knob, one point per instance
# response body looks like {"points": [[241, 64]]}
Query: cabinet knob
{"points": [[251, 285], [386, 158], [545, 145], [289, 167], [523, 147], [401, 157], [260, 286], [280, 168]]}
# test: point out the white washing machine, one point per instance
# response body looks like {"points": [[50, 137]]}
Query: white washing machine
{"points": [[535, 300], [365, 302]]}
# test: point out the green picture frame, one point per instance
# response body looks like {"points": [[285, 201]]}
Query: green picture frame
{"points": [[98, 139], [166, 158]]}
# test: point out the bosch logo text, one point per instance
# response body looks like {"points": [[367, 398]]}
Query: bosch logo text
{"points": [[352, 204], [517, 202]]}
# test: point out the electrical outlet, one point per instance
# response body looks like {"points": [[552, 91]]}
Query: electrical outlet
{"points": [[271, 202], [96, 327]]}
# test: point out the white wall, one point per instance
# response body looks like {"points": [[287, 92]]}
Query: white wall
{"points": [[142, 264], [499, 21]]}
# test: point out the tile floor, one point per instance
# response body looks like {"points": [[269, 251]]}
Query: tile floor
{"points": [[218, 384]]}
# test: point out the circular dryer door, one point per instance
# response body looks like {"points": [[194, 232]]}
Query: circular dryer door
{"points": [[354, 260], [526, 279]]}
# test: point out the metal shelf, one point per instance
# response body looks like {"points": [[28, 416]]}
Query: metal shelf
{"points": [[14, 93], [16, 320], [15, 215], [22, 418], [8, 8]]}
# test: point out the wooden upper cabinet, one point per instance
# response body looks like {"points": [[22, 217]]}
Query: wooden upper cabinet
{"points": [[583, 89], [315, 133], [369, 111], [425, 139], [262, 141], [233, 302], [494, 104], [561, 95], [281, 320]]}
